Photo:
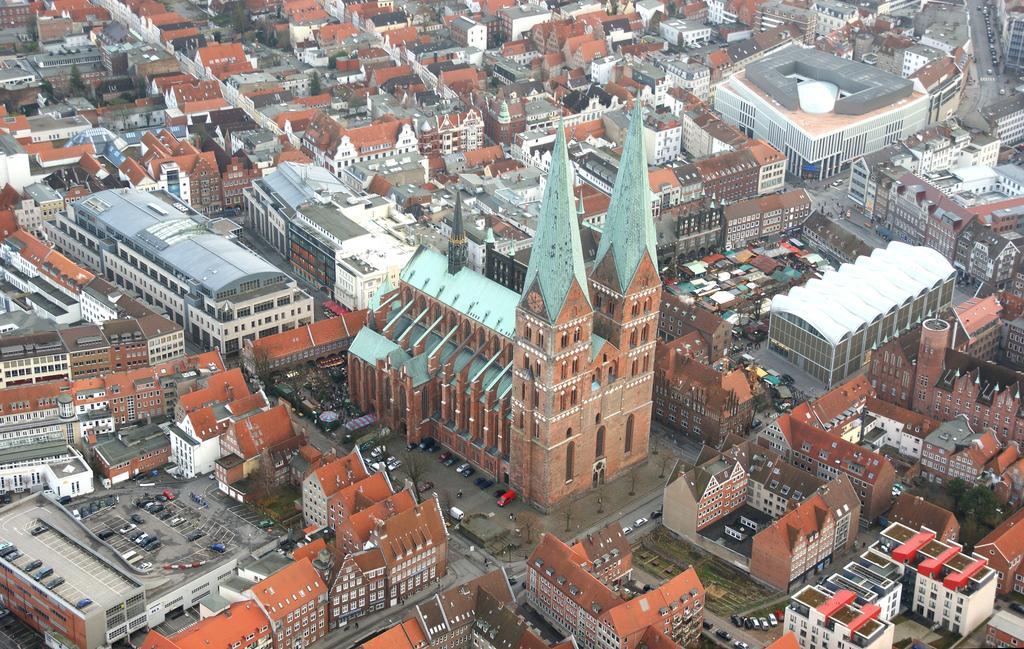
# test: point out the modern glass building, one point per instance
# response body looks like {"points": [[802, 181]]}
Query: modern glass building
{"points": [[829, 326]]}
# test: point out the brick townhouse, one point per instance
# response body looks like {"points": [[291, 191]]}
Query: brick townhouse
{"points": [[826, 455], [606, 553], [1005, 629], [323, 483], [954, 450], [818, 531], [575, 602], [679, 317], [241, 624], [295, 600], [765, 217], [698, 399], [1003, 547], [916, 512]]}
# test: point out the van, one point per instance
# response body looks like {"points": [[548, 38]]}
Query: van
{"points": [[506, 498], [456, 514]]}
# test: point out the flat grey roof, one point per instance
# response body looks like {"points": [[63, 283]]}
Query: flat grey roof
{"points": [[169, 230], [863, 88], [86, 573]]}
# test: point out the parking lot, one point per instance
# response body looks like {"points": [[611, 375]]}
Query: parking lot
{"points": [[15, 634], [186, 527]]}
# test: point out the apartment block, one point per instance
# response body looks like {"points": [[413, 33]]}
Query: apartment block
{"points": [[822, 620]]}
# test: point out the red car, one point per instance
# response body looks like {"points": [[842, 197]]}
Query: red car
{"points": [[169, 494], [444, 456], [506, 498]]}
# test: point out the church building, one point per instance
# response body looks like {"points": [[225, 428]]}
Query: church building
{"points": [[548, 390]]}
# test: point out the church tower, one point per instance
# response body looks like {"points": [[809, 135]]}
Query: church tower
{"points": [[458, 248], [551, 377], [625, 291]]}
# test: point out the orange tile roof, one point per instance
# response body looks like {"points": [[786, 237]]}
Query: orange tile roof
{"points": [[361, 525], [323, 332], [646, 610], [340, 473], [833, 404], [419, 526], [263, 431], [407, 635], [361, 493], [289, 589], [51, 263], [787, 641], [223, 630], [220, 388], [199, 91], [976, 313], [309, 551]]}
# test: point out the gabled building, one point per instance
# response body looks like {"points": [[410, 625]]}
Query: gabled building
{"points": [[294, 599], [1003, 548], [319, 488]]}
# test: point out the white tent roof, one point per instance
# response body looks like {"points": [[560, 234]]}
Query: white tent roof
{"points": [[844, 300]]}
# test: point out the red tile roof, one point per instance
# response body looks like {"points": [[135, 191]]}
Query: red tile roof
{"points": [[289, 589]]}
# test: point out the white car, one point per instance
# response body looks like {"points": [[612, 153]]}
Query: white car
{"points": [[145, 565], [127, 528], [394, 463], [640, 522], [627, 530]]}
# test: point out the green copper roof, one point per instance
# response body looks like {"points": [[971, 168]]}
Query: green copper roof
{"points": [[557, 255], [629, 225], [467, 291], [371, 346], [385, 287]]}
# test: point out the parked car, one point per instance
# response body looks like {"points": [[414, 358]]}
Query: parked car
{"points": [[127, 528], [640, 522], [137, 519], [724, 635], [169, 495], [426, 485], [707, 625], [655, 515], [737, 620], [265, 523], [774, 621], [462, 467], [739, 644], [764, 623], [627, 530], [64, 500], [393, 463], [451, 460], [507, 497], [106, 534], [145, 565], [428, 444], [443, 457], [468, 471], [218, 547]]}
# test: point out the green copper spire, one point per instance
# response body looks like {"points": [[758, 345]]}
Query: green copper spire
{"points": [[629, 225], [556, 259], [385, 287]]}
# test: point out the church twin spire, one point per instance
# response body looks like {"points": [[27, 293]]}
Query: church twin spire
{"points": [[556, 260], [629, 224]]}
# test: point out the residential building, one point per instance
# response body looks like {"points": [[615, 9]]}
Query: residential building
{"points": [[916, 512], [921, 215], [801, 541], [698, 400], [242, 622], [764, 218], [576, 602], [221, 293], [1005, 119], [130, 452], [320, 487], [294, 600], [826, 455], [335, 147], [988, 257], [503, 419], [872, 301], [819, 618], [1003, 547], [679, 317], [942, 583], [606, 553], [1004, 629]]}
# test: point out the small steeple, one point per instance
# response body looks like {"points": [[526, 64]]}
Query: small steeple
{"points": [[629, 225], [503, 115], [557, 255], [458, 249]]}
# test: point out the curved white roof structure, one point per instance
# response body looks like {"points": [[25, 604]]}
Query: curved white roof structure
{"points": [[817, 97], [846, 299]]}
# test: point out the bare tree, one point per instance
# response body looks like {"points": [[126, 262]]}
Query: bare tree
{"points": [[600, 499], [527, 522], [633, 477], [414, 466], [568, 519], [664, 462], [261, 365]]}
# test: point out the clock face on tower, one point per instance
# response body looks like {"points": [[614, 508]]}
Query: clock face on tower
{"points": [[534, 301]]}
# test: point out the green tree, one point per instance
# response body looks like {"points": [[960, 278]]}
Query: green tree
{"points": [[956, 490], [980, 503], [314, 84], [75, 82]]}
